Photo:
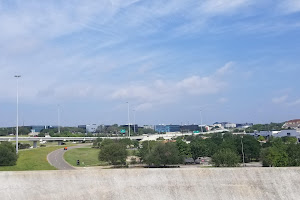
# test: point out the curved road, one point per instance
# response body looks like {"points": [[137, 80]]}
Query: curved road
{"points": [[56, 158]]}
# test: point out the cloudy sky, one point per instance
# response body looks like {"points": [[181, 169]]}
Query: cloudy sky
{"points": [[236, 60]]}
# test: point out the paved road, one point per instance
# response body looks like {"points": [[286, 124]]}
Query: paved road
{"points": [[56, 158]]}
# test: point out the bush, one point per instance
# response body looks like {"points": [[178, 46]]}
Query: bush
{"points": [[163, 154], [24, 146], [225, 158], [114, 153], [8, 156]]}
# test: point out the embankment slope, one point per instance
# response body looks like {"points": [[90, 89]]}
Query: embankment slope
{"points": [[185, 183]]}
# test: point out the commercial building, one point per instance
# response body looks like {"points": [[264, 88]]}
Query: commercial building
{"points": [[39, 128], [148, 127], [230, 125], [167, 128], [189, 128], [89, 128], [244, 125]]}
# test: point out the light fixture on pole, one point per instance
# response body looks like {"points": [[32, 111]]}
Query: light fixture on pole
{"points": [[17, 128], [128, 120]]}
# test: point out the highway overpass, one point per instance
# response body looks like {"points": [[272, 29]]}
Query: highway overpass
{"points": [[166, 136]]}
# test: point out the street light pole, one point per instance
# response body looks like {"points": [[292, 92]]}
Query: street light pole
{"points": [[201, 121], [58, 118], [128, 120], [17, 128], [134, 121]]}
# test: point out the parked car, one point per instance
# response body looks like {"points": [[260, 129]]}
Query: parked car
{"points": [[203, 160], [189, 161]]}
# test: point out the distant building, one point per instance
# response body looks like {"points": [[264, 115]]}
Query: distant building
{"points": [[148, 127], [167, 128], [218, 125], [39, 128], [295, 124], [261, 133], [188, 128], [244, 125], [282, 133], [230, 125], [288, 133], [89, 128]]}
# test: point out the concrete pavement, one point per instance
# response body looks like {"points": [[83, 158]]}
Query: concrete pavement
{"points": [[247, 183]]}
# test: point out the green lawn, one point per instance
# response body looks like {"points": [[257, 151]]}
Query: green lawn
{"points": [[32, 159], [88, 156]]}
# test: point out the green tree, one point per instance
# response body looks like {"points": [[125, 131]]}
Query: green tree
{"points": [[183, 148], [164, 154], [274, 157], [261, 138], [225, 158], [147, 147], [97, 143], [293, 151], [114, 153], [251, 147], [8, 156]]}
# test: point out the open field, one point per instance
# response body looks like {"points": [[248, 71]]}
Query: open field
{"points": [[87, 156], [152, 184], [33, 159]]}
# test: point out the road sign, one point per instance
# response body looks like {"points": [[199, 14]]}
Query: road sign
{"points": [[122, 131]]}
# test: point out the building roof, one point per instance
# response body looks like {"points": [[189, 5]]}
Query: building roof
{"points": [[294, 120]]}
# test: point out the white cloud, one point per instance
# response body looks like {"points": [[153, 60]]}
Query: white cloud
{"points": [[167, 91], [289, 6], [279, 100], [222, 100], [222, 6], [294, 103]]}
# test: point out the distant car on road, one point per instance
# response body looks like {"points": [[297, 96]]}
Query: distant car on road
{"points": [[66, 148]]}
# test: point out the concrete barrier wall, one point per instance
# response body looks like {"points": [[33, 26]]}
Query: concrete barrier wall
{"points": [[185, 183]]}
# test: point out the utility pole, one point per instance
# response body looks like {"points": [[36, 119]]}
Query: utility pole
{"points": [[17, 128], [243, 151]]}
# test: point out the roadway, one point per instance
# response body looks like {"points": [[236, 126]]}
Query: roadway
{"points": [[140, 137], [56, 158]]}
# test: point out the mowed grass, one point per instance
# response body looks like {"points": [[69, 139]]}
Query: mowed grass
{"points": [[86, 156], [32, 159]]}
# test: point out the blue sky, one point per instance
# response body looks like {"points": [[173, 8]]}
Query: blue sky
{"points": [[236, 60]]}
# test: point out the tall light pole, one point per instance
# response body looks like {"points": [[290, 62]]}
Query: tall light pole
{"points": [[201, 121], [17, 128], [128, 120], [134, 121], [58, 118]]}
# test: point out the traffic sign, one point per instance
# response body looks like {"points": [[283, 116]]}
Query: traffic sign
{"points": [[122, 131]]}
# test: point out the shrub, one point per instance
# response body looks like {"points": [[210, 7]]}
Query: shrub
{"points": [[8, 156]]}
